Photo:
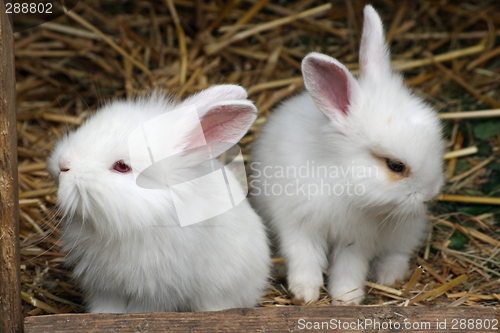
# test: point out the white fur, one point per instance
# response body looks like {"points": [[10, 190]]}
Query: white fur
{"points": [[348, 125], [129, 252]]}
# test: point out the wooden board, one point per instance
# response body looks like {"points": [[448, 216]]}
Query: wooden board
{"points": [[279, 319], [11, 318]]}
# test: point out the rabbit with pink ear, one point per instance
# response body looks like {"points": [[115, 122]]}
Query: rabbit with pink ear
{"points": [[343, 173], [124, 206]]}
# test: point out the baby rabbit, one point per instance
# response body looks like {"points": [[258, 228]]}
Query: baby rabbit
{"points": [[129, 252], [343, 172]]}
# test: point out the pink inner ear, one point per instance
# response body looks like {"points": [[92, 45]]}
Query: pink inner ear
{"points": [[223, 126], [328, 84], [216, 128], [334, 84]]}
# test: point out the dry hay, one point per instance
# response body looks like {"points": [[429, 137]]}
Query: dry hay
{"points": [[447, 50]]}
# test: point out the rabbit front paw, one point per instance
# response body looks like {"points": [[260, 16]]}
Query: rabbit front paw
{"points": [[391, 269], [347, 295], [304, 293]]}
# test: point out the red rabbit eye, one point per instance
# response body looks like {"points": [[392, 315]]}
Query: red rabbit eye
{"points": [[121, 167]]}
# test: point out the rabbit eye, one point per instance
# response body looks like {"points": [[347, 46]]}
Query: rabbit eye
{"points": [[395, 166], [121, 167]]}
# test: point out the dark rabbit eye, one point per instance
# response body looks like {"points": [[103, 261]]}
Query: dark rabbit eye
{"points": [[395, 166], [121, 167]]}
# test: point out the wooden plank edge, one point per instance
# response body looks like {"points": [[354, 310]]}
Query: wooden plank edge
{"points": [[279, 319], [11, 316]]}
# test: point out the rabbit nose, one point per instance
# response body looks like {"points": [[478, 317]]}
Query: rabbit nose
{"points": [[63, 168]]}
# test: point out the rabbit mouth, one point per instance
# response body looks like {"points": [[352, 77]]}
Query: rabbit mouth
{"points": [[72, 196]]}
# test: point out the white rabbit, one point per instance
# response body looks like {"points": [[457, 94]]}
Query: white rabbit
{"points": [[343, 172], [129, 251]]}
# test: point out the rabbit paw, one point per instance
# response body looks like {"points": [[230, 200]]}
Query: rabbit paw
{"points": [[391, 269], [347, 296], [303, 294]]}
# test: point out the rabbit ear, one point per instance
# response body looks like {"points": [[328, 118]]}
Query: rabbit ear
{"points": [[374, 57], [186, 136], [330, 84], [214, 94], [223, 124]]}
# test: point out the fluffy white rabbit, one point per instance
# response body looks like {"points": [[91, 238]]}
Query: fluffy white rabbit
{"points": [[128, 250], [343, 172]]}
